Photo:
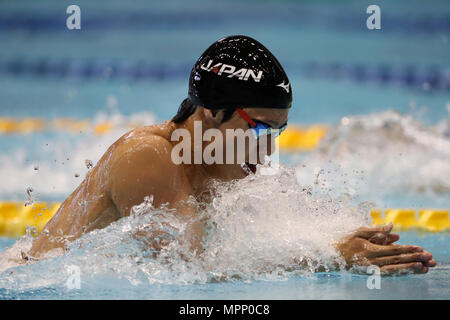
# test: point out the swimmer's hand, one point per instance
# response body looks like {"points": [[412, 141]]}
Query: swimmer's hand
{"points": [[374, 246]]}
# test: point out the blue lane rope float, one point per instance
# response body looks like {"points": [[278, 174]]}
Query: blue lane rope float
{"points": [[342, 20], [428, 77]]}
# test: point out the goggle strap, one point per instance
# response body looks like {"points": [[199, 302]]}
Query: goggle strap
{"points": [[246, 117]]}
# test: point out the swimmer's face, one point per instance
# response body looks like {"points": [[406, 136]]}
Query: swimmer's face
{"points": [[273, 117]]}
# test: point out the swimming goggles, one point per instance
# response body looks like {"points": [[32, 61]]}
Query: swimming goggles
{"points": [[260, 128]]}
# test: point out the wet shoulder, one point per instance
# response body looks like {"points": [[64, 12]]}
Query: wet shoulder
{"points": [[150, 142], [155, 132]]}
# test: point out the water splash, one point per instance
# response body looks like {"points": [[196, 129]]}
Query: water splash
{"points": [[88, 163], [30, 198], [260, 227], [383, 157]]}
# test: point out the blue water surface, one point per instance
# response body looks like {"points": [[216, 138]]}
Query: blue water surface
{"points": [[49, 72], [327, 285]]}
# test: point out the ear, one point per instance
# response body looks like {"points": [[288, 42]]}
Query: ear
{"points": [[213, 117]]}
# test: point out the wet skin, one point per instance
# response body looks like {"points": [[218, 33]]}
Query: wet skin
{"points": [[139, 164]]}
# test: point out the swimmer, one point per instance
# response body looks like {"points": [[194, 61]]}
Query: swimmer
{"points": [[236, 84]]}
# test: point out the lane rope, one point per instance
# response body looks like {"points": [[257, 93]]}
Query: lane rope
{"points": [[418, 77], [53, 21], [16, 219], [295, 138]]}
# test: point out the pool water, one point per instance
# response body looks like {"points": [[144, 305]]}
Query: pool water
{"points": [[327, 285], [385, 96]]}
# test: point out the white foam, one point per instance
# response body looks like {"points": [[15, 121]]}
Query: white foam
{"points": [[383, 155], [261, 227]]}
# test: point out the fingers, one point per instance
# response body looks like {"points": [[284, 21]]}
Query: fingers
{"points": [[381, 238], [368, 232], [423, 257], [430, 263], [404, 268], [392, 237], [376, 250]]}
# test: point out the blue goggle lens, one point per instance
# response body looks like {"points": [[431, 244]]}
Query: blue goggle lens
{"points": [[262, 129]]}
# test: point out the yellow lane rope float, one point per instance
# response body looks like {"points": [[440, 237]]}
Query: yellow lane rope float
{"points": [[432, 220], [295, 138], [16, 218]]}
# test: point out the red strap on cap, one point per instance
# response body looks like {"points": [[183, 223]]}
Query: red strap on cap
{"points": [[246, 117]]}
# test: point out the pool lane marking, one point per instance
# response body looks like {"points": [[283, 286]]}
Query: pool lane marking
{"points": [[16, 218], [424, 78], [295, 138]]}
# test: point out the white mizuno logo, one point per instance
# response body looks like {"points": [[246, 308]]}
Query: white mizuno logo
{"points": [[284, 86]]}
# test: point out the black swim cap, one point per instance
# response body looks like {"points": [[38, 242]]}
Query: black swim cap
{"points": [[239, 72]]}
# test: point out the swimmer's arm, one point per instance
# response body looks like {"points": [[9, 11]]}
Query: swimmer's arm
{"points": [[87, 208], [145, 168]]}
